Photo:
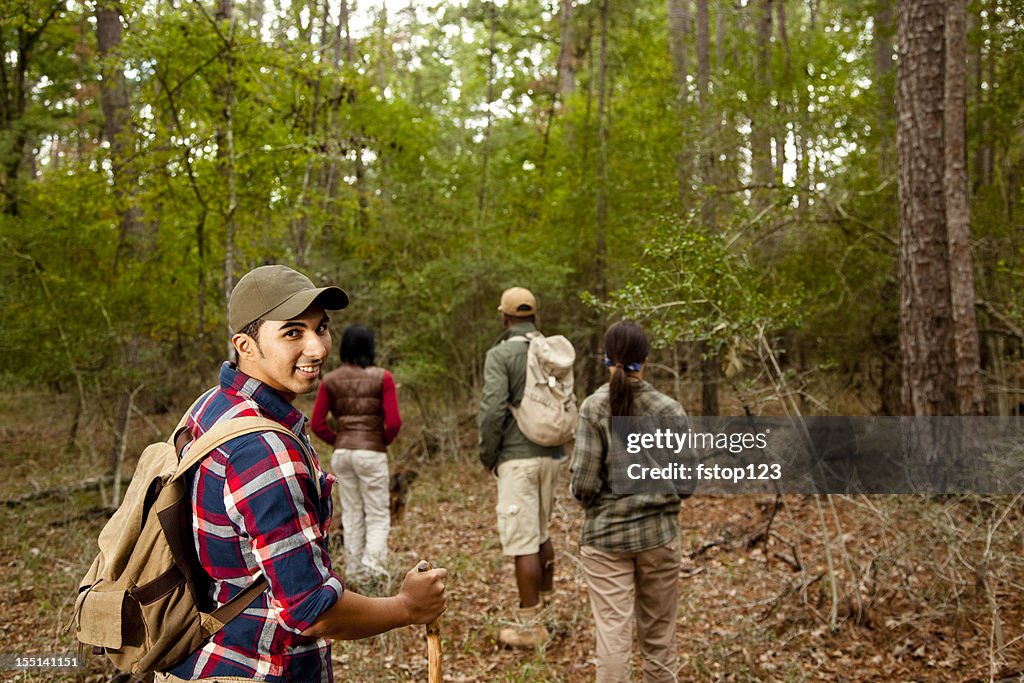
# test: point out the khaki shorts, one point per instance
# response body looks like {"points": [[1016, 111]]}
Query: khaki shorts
{"points": [[526, 493]]}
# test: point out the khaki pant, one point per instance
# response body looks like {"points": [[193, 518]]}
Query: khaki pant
{"points": [[363, 487], [644, 584], [526, 495]]}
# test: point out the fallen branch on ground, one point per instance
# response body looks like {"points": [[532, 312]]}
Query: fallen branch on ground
{"points": [[65, 490]]}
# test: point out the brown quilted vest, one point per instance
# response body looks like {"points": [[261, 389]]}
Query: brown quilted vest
{"points": [[355, 395]]}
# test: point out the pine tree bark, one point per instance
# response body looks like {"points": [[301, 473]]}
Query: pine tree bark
{"points": [[966, 345], [926, 330], [938, 338]]}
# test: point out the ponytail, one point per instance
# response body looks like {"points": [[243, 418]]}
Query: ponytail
{"points": [[621, 390], [625, 348]]}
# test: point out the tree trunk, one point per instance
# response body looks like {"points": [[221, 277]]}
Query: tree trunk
{"points": [[334, 145], [998, 399], [805, 145], [722, 7], [566, 60], [362, 196], [679, 20], [678, 27], [601, 200], [491, 53], [762, 169], [133, 239], [601, 204], [14, 89], [225, 137], [966, 346], [706, 163], [255, 10], [781, 132], [710, 375], [313, 173], [884, 20], [929, 376], [117, 450], [980, 177], [709, 367]]}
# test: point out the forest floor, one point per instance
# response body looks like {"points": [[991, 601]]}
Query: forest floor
{"points": [[799, 588]]}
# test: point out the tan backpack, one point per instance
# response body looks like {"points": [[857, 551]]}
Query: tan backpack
{"points": [[144, 602], [547, 414]]}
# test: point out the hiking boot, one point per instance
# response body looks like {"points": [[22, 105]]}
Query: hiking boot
{"points": [[528, 633]]}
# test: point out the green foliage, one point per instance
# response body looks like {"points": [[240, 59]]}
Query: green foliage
{"points": [[691, 286], [428, 159]]}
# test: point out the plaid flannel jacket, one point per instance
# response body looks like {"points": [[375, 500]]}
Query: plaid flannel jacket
{"points": [[613, 522], [256, 511]]}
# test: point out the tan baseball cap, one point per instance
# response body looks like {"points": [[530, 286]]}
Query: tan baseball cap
{"points": [[278, 293], [518, 302]]}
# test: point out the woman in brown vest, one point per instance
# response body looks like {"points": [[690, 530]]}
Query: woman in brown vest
{"points": [[362, 399]]}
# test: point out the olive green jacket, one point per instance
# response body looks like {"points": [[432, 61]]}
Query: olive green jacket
{"points": [[504, 381]]}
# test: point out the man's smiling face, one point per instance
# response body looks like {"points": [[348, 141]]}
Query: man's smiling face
{"points": [[288, 354]]}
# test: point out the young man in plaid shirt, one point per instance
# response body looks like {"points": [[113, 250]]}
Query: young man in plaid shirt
{"points": [[262, 507]]}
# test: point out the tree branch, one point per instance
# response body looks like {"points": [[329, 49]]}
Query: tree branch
{"points": [[1011, 328]]}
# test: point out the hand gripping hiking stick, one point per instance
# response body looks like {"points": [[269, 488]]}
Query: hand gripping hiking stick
{"points": [[433, 640]]}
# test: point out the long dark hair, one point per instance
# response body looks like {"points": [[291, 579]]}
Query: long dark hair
{"points": [[357, 346], [625, 348]]}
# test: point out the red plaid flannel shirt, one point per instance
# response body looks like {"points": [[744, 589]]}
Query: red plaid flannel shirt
{"points": [[256, 511]]}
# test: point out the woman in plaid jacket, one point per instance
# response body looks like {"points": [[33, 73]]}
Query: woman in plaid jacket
{"points": [[629, 543]]}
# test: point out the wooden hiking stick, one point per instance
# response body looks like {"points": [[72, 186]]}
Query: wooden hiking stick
{"points": [[433, 640]]}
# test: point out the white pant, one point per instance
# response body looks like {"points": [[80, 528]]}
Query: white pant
{"points": [[363, 486]]}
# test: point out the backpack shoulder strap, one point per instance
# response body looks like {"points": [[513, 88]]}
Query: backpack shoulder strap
{"points": [[184, 418], [236, 605], [232, 429], [528, 337]]}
